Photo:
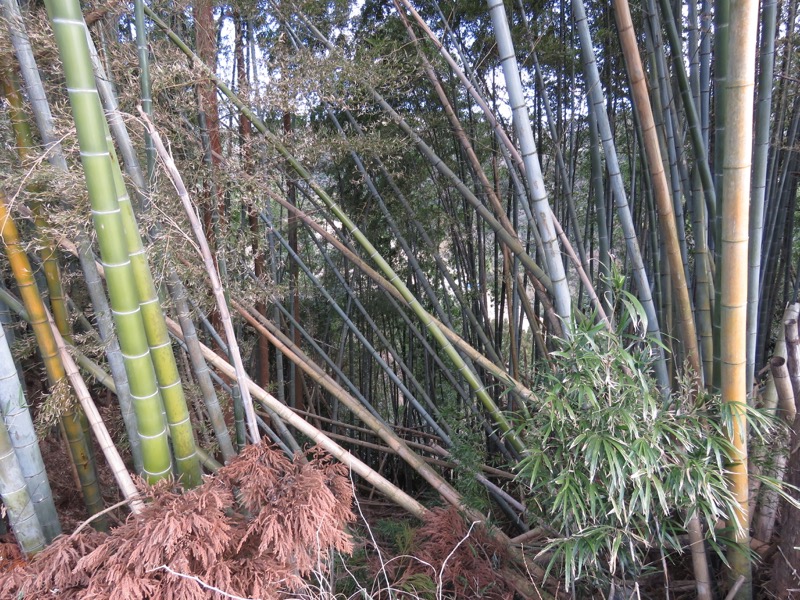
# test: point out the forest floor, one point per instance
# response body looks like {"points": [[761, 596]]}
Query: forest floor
{"points": [[393, 556]]}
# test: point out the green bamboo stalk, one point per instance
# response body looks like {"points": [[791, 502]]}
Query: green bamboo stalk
{"points": [[721, 57], [116, 126], [145, 98], [199, 366], [16, 417], [16, 499], [759, 185], [116, 362], [172, 392], [70, 30], [166, 369]]}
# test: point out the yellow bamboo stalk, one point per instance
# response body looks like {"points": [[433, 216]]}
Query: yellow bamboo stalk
{"points": [[23, 274], [736, 170]]}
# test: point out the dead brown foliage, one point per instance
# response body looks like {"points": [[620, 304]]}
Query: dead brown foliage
{"points": [[254, 530], [457, 560]]}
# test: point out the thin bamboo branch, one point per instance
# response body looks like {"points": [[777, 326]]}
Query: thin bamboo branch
{"points": [[213, 274], [113, 458]]}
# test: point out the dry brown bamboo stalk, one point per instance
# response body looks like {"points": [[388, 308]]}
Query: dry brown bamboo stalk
{"points": [[213, 274], [666, 212], [668, 227]]}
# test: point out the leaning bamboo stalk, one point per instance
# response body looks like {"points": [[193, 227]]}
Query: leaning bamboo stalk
{"points": [[733, 276], [410, 254], [534, 178], [426, 459], [362, 338], [474, 382], [666, 212], [70, 30], [381, 281], [110, 451], [166, 371], [213, 275], [266, 399], [465, 143]]}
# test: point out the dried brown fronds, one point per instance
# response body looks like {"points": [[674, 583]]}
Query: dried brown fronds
{"points": [[447, 557], [186, 546]]}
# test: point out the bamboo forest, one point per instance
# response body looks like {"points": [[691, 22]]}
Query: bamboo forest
{"points": [[399, 299]]}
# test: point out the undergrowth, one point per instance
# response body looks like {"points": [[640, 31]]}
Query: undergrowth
{"points": [[615, 469], [256, 529]]}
